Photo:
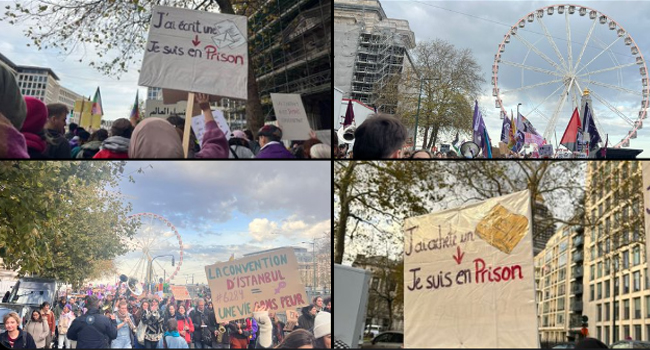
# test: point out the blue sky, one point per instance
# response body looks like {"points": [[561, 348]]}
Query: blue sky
{"points": [[481, 26], [224, 208]]}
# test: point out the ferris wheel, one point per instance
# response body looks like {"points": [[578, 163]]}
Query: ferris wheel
{"points": [[552, 55], [155, 236]]}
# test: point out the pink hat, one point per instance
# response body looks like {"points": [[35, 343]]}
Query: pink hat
{"points": [[239, 134]]}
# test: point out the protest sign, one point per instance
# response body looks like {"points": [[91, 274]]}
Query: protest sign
{"points": [[180, 292], [196, 51], [325, 136], [546, 151], [198, 125], [444, 148], [157, 108], [291, 116], [458, 266], [271, 279]]}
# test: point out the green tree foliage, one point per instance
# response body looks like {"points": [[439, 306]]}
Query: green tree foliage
{"points": [[112, 34], [57, 219], [371, 195]]}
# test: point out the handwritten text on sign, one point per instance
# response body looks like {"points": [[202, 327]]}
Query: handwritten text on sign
{"points": [[271, 279], [459, 264], [291, 116], [196, 51]]}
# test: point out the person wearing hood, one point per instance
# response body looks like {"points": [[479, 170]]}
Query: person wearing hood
{"points": [[65, 320], [323, 330], [14, 337], [12, 115], [239, 146], [90, 148], [157, 138], [270, 136], [58, 147], [306, 321], [32, 128], [117, 146], [83, 137], [172, 339]]}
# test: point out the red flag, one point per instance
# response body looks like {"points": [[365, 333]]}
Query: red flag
{"points": [[349, 115], [569, 139]]}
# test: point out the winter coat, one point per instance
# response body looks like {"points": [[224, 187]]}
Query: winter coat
{"points": [[114, 147], [49, 318], [89, 149], [182, 321], [241, 152], [24, 340], [92, 330], [174, 341], [214, 143], [39, 331], [274, 149], [154, 322], [208, 319], [65, 320], [57, 146]]}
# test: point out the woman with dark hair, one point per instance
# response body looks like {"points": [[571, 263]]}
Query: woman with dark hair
{"points": [[298, 339], [170, 312], [306, 321], [48, 316], [38, 329], [89, 149], [185, 325], [117, 146], [421, 154], [154, 322]]}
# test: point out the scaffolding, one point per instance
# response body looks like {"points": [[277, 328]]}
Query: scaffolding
{"points": [[290, 47]]}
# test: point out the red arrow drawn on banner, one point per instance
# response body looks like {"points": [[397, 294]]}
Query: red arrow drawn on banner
{"points": [[196, 41], [459, 256]]}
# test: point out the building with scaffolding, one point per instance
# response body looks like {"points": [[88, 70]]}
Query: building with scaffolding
{"points": [[370, 49], [290, 46]]}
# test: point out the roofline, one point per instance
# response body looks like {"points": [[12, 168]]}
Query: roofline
{"points": [[49, 70]]}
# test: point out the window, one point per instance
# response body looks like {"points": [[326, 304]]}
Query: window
{"points": [[606, 311], [607, 267], [616, 310], [561, 261], [607, 242], [647, 306], [598, 335], [560, 304], [563, 246], [593, 251], [606, 335], [635, 234], [600, 249], [626, 283], [607, 226], [600, 269], [560, 289], [599, 290], [637, 308], [561, 274], [626, 259], [592, 272], [560, 320], [637, 331], [615, 334], [600, 312], [637, 280], [591, 293], [606, 286], [626, 309], [636, 256], [626, 331]]}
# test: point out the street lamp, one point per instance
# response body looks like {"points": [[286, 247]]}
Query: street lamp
{"points": [[417, 116], [151, 268]]}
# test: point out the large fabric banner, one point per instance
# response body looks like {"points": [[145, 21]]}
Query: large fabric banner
{"points": [[272, 279], [469, 277]]}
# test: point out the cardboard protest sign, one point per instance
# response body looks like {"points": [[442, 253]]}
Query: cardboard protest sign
{"points": [[96, 121], [272, 279], [196, 51], [180, 292], [291, 116], [469, 275], [546, 151], [157, 108], [198, 125]]}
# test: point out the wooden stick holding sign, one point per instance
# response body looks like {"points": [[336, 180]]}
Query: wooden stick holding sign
{"points": [[188, 123]]}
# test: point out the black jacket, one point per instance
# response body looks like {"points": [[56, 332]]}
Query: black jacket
{"points": [[21, 343], [306, 321], [57, 146], [93, 330], [208, 319], [234, 331]]}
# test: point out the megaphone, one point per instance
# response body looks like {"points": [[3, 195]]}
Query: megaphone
{"points": [[347, 134], [469, 149]]}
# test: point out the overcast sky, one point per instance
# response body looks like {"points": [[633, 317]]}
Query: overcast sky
{"points": [[481, 26], [221, 208], [117, 95]]}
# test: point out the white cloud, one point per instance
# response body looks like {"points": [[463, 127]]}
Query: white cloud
{"points": [[262, 229]]}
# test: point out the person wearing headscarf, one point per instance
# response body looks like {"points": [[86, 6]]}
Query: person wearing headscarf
{"points": [[33, 127], [12, 142]]}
